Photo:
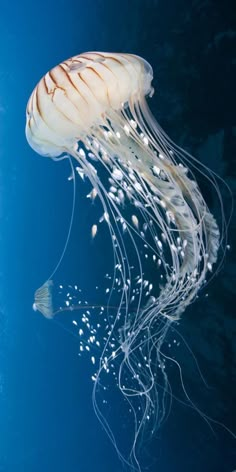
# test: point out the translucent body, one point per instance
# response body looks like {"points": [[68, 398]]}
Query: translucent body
{"points": [[93, 108]]}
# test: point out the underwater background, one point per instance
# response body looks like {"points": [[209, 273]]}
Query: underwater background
{"points": [[47, 421]]}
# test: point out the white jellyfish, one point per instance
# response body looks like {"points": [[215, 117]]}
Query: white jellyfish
{"points": [[93, 108]]}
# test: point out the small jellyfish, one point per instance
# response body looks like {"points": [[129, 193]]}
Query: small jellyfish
{"points": [[43, 299]]}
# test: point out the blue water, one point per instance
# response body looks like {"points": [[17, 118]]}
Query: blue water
{"points": [[47, 421]]}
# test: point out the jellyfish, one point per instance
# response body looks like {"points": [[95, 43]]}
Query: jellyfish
{"points": [[93, 108], [43, 299]]}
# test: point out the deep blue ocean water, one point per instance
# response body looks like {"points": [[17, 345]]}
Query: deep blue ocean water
{"points": [[47, 421]]}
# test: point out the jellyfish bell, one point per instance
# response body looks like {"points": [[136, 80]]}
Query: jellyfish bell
{"points": [[71, 100], [43, 300], [93, 108]]}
